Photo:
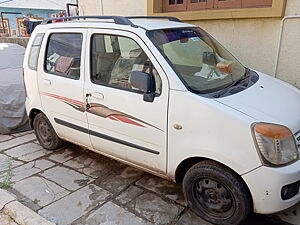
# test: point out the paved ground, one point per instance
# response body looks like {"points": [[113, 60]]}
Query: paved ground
{"points": [[76, 186]]}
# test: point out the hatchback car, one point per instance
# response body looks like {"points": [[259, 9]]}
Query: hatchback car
{"points": [[166, 97]]}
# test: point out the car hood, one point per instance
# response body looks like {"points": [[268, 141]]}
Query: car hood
{"points": [[268, 100]]}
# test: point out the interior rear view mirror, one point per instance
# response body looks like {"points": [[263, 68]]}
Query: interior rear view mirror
{"points": [[209, 58]]}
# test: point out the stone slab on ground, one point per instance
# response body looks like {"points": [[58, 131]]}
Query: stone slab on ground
{"points": [[164, 187], [155, 209], [67, 178], [43, 164], [17, 141], [25, 171], [6, 220], [189, 218], [291, 215], [5, 198], [8, 163], [23, 215], [19, 134], [91, 164], [27, 152], [5, 137], [118, 182], [110, 214], [128, 195], [40, 191], [66, 153], [75, 205]]}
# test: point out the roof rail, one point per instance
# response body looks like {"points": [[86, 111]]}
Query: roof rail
{"points": [[117, 19], [171, 18]]}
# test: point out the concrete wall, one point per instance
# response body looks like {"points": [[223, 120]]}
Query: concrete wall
{"points": [[113, 7], [23, 41], [253, 41]]}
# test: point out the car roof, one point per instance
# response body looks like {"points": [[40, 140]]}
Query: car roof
{"points": [[147, 24]]}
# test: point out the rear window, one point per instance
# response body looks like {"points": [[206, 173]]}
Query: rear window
{"points": [[35, 51], [63, 55]]}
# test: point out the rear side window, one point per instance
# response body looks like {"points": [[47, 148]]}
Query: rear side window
{"points": [[35, 51], [63, 55]]}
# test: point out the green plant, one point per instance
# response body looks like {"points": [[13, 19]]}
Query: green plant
{"points": [[5, 181], [36, 201]]}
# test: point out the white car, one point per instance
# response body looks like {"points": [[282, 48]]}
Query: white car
{"points": [[166, 97]]}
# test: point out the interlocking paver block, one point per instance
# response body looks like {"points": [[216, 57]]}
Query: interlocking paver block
{"points": [[161, 186], [75, 205], [67, 178], [40, 190], [17, 141], [110, 214], [27, 152], [156, 209]]}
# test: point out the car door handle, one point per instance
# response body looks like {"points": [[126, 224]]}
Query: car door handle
{"points": [[98, 95], [47, 82]]}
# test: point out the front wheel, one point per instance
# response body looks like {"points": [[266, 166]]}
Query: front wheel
{"points": [[45, 133], [216, 194]]}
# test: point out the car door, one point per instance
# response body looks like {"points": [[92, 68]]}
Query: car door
{"points": [[61, 81], [121, 123]]}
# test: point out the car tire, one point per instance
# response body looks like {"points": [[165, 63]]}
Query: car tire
{"points": [[45, 133], [216, 194]]}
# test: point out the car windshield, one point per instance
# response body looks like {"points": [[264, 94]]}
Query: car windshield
{"points": [[202, 63]]}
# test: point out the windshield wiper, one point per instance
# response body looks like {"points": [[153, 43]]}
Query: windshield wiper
{"points": [[235, 83]]}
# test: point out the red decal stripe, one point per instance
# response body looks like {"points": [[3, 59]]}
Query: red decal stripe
{"points": [[64, 98], [112, 118], [127, 120]]}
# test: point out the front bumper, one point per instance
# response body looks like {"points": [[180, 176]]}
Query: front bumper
{"points": [[266, 183]]}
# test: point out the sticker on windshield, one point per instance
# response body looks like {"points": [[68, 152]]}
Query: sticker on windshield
{"points": [[195, 39]]}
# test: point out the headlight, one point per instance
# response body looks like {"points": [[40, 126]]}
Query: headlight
{"points": [[276, 144]]}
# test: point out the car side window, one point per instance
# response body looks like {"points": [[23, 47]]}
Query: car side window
{"points": [[35, 51], [114, 58], [63, 54]]}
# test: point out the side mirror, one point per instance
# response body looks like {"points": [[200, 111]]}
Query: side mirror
{"points": [[144, 82]]}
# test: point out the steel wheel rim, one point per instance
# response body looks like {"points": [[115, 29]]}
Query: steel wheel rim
{"points": [[44, 132], [214, 198]]}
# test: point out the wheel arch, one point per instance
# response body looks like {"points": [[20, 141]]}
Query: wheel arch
{"points": [[187, 163], [32, 115]]}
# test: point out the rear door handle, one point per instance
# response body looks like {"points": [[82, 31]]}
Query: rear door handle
{"points": [[98, 95], [47, 82]]}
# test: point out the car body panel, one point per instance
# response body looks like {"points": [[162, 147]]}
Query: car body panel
{"points": [[179, 125]]}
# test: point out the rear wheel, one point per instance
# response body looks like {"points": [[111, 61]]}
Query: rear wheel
{"points": [[216, 194], [45, 133]]}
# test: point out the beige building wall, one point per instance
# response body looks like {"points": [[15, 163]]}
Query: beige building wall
{"points": [[113, 7], [253, 41]]}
